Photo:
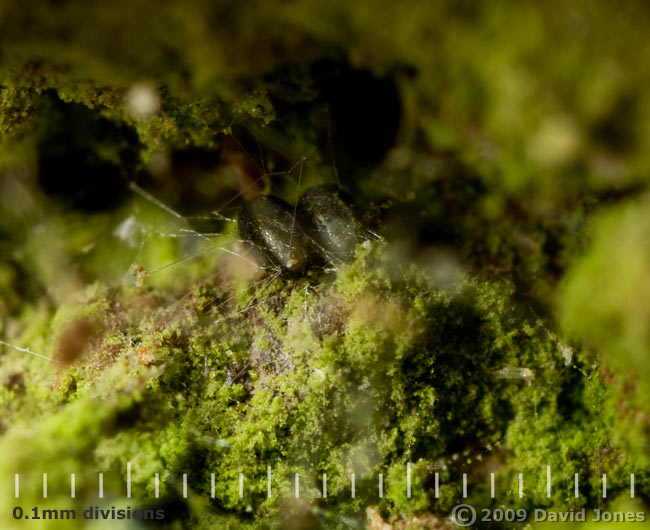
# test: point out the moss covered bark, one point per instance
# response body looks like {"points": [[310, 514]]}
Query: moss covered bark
{"points": [[499, 326]]}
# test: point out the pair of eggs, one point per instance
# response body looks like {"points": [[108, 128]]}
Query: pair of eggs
{"points": [[320, 229]]}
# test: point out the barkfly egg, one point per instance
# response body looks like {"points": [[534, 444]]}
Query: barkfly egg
{"points": [[331, 224], [274, 234], [321, 228]]}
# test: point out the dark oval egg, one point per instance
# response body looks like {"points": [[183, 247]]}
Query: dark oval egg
{"points": [[331, 224], [269, 225]]}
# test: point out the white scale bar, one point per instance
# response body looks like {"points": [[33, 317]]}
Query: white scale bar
{"points": [[324, 491], [408, 480], [17, 485]]}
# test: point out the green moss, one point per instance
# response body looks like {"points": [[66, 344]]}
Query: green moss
{"points": [[17, 106], [359, 376]]}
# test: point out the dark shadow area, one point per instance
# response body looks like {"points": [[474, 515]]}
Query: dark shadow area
{"points": [[84, 160], [365, 111]]}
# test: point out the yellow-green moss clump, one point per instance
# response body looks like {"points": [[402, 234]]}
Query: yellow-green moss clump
{"points": [[604, 303]]}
